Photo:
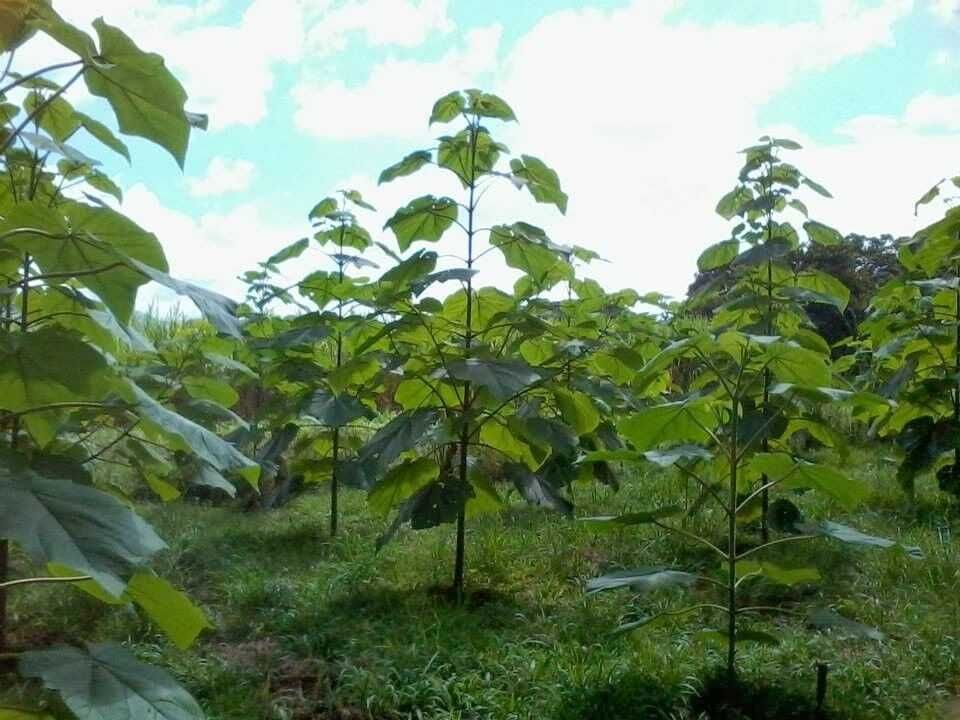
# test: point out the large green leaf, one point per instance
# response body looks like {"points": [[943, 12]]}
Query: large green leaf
{"points": [[577, 410], [426, 218], [448, 107], [827, 618], [88, 241], [396, 437], [670, 423], [642, 580], [536, 489], [797, 474], [852, 536], [489, 105], [145, 96], [822, 234], [501, 378], [542, 181], [718, 255], [409, 165], [57, 521], [777, 574], [793, 364], [502, 438], [336, 410], [219, 310], [187, 436], [402, 482], [180, 619], [50, 366], [106, 682]]}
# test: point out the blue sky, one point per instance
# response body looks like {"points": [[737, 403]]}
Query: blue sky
{"points": [[641, 107]]}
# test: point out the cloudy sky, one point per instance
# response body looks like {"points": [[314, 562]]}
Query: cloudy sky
{"points": [[641, 106]]}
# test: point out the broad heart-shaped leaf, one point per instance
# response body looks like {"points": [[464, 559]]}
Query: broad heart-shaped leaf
{"points": [[106, 682], [57, 521], [180, 619], [427, 218], [642, 580], [799, 474], [793, 364], [489, 105], [503, 438], [409, 165], [775, 573], [731, 203], [670, 423], [58, 118], [291, 251], [336, 410], [170, 609], [146, 98], [577, 410], [49, 366], [758, 254], [542, 182], [718, 255], [219, 310], [671, 456], [847, 534], [822, 234], [402, 482], [536, 489], [448, 107], [190, 437], [527, 248], [501, 378], [396, 437], [87, 238], [826, 285], [212, 389], [208, 477], [826, 618], [104, 135]]}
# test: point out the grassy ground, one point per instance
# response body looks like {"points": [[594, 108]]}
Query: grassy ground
{"points": [[309, 627]]}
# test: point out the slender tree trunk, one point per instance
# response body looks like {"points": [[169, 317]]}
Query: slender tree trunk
{"points": [[732, 557], [335, 475], [765, 445], [465, 432], [956, 370]]}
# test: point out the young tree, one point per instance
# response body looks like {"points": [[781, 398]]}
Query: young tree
{"points": [[70, 270], [768, 286], [914, 334], [484, 369]]}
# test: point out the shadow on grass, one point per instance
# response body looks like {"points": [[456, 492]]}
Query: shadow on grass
{"points": [[640, 697], [630, 697]]}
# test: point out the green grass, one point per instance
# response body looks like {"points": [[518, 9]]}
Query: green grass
{"points": [[309, 627]]}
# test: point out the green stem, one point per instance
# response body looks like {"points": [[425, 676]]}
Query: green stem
{"points": [[732, 553], [335, 477], [460, 557]]}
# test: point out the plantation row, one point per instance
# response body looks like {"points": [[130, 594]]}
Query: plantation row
{"points": [[424, 403]]}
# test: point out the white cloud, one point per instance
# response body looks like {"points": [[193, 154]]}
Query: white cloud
{"points": [[229, 68], [223, 177], [642, 116], [947, 11], [934, 111], [395, 100], [213, 249], [383, 23]]}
